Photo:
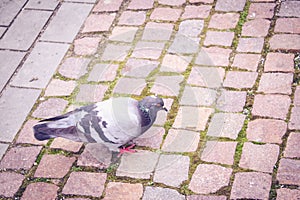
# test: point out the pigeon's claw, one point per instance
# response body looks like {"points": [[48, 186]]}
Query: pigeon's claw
{"points": [[127, 150]]}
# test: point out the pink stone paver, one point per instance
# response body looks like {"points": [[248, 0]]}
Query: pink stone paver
{"points": [[287, 25], [261, 10], [224, 20], [285, 41], [171, 2], [292, 150], [285, 193], [10, 183], [214, 56], [91, 93], [175, 63], [228, 5], [74, 67], [279, 83], [50, 108], [106, 6], [256, 28], [279, 62], [209, 178], [151, 28], [297, 96], [86, 45], [54, 166], [20, 158], [295, 118], [155, 193], [246, 61], [231, 101], [218, 38], [65, 144], [103, 72], [289, 172], [85, 183], [98, 22], [132, 18], [151, 138], [219, 152], [26, 135], [192, 11], [168, 14], [266, 130], [140, 5], [236, 79], [59, 87], [123, 34], [205, 197], [259, 157], [251, 185], [254, 45], [210, 77], [124, 191], [272, 105], [40, 191]]}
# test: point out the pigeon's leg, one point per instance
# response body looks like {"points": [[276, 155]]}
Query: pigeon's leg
{"points": [[127, 150]]}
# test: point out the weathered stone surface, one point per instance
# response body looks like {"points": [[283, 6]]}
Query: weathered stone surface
{"points": [[151, 138], [125, 191], [200, 11], [86, 45], [191, 28], [66, 23], [289, 172], [58, 87], [123, 34], [196, 96], [73, 67], [287, 25], [54, 166], [151, 50], [240, 80], [209, 178], [266, 130], [3, 148], [130, 86], [214, 56], [138, 165], [139, 67], [91, 157], [231, 101], [151, 29], [259, 157], [292, 150], [20, 158], [295, 118], [91, 93], [275, 106], [115, 52], [172, 170], [26, 135], [85, 183], [285, 193], [251, 185], [285, 41], [132, 18], [227, 5], [219, 152], [106, 6], [155, 193], [246, 61], [175, 63], [289, 9], [103, 72], [205, 197], [40, 65], [171, 2], [10, 183], [254, 45], [50, 108], [10, 106], [218, 38], [167, 85], [98, 22], [226, 125], [18, 39], [192, 118], [276, 83], [184, 45], [224, 20], [256, 28], [297, 96], [46, 5], [261, 10], [65, 144], [40, 191], [181, 141], [8, 10], [168, 14], [279, 62], [210, 77], [140, 5]]}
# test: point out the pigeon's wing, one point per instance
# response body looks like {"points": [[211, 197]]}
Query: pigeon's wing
{"points": [[113, 122]]}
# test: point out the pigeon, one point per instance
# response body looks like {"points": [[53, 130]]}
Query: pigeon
{"points": [[114, 122]]}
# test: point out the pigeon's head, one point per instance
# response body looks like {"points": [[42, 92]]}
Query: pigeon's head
{"points": [[152, 103]]}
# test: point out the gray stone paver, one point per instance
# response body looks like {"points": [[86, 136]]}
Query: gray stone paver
{"points": [[232, 90]]}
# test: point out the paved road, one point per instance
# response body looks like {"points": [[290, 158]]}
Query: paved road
{"points": [[229, 72]]}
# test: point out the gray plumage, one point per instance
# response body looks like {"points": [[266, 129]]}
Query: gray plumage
{"points": [[113, 122]]}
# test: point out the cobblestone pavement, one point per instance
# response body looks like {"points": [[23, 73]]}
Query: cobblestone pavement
{"points": [[229, 72]]}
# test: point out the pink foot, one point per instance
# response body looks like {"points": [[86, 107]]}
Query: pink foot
{"points": [[127, 150]]}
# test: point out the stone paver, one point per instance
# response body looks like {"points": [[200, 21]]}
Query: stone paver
{"points": [[231, 101], [42, 191], [279, 83], [289, 9], [151, 138], [10, 183], [139, 67], [285, 41], [157, 193], [98, 22], [287, 25], [172, 170], [130, 86], [138, 5], [175, 63], [103, 72], [167, 85], [184, 45], [191, 28], [74, 67], [218, 38], [150, 31], [50, 108], [239, 80], [150, 50], [266, 130], [213, 56], [8, 11], [54, 166], [246, 61], [285, 193], [60, 88], [279, 62], [167, 14], [3, 148], [259, 157], [132, 18], [123, 34], [26, 135], [295, 118], [91, 93], [86, 45], [47, 5], [192, 11], [104, 6], [205, 197], [85, 183], [251, 185], [256, 28], [253, 45], [291, 149], [196, 96], [289, 172], [210, 77], [209, 178], [227, 5], [272, 105], [261, 10], [224, 20], [114, 52], [20, 158], [126, 191], [67, 145]]}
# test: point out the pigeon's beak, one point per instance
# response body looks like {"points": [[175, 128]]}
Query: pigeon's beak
{"points": [[165, 109]]}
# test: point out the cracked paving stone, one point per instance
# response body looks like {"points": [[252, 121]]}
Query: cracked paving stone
{"points": [[209, 178], [172, 170], [20, 158], [124, 191], [289, 172], [85, 183], [291, 149], [49, 108], [181, 141], [251, 185], [226, 125], [138, 165], [10, 183], [40, 191], [158, 193]]}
